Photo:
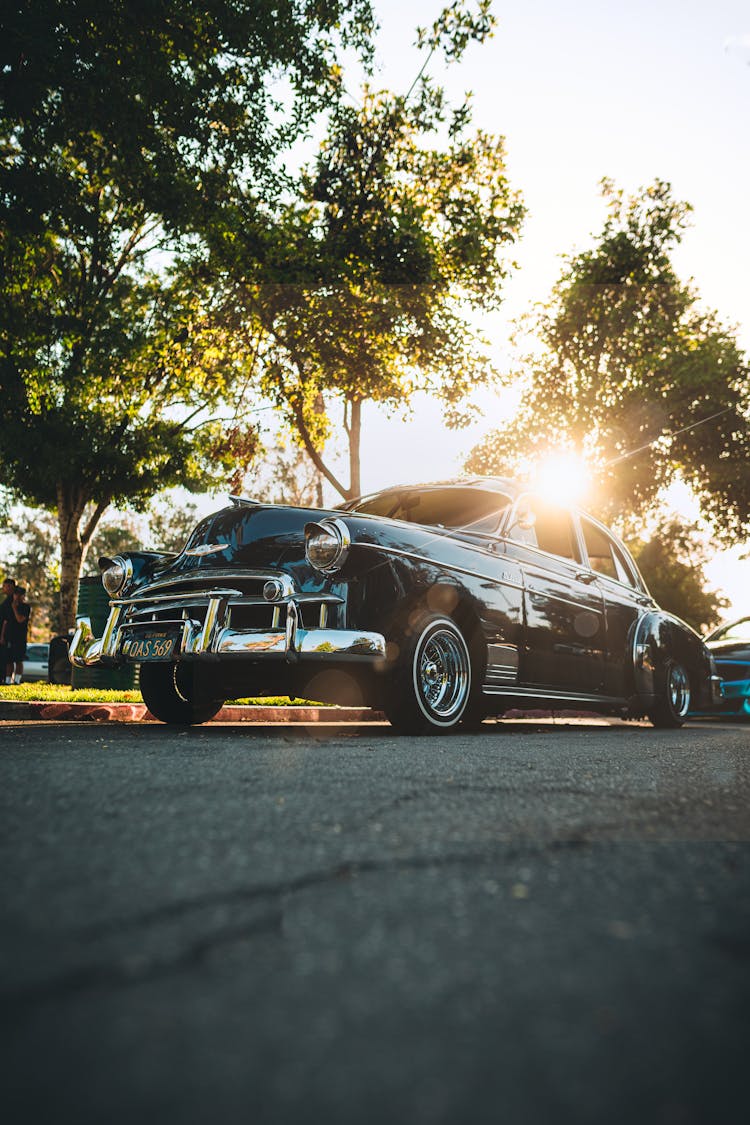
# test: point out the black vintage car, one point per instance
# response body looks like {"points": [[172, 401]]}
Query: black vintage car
{"points": [[440, 603]]}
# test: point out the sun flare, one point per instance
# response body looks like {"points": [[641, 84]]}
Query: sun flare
{"points": [[563, 478]]}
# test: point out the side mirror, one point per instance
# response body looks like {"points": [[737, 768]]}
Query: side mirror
{"points": [[525, 519]]}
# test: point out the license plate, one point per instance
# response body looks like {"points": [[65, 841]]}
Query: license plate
{"points": [[150, 646]]}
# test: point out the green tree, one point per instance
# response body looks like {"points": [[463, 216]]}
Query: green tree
{"points": [[186, 98], [634, 375], [117, 533], [122, 129], [286, 475], [170, 525], [116, 405], [360, 289], [671, 560]]}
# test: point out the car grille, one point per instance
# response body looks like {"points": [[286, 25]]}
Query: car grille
{"points": [[247, 609]]}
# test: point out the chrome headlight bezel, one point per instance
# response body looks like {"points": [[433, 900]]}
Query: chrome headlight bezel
{"points": [[116, 574], [327, 545]]}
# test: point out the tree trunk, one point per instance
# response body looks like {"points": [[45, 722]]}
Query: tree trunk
{"points": [[74, 543], [355, 440], [71, 561]]}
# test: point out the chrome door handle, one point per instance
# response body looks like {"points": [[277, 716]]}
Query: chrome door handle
{"points": [[585, 576]]}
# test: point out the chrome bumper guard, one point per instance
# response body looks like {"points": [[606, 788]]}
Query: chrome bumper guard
{"points": [[211, 639]]}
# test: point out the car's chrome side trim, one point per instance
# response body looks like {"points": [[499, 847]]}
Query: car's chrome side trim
{"points": [[500, 581], [516, 692], [502, 665]]}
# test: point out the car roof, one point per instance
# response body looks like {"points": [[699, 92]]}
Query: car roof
{"points": [[503, 485]]}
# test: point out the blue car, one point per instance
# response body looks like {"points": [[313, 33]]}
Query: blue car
{"points": [[730, 648]]}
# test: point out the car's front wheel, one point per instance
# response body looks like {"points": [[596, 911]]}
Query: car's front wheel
{"points": [[173, 695], [431, 687], [672, 695]]}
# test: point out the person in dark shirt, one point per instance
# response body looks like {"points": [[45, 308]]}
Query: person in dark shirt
{"points": [[9, 586], [13, 632]]}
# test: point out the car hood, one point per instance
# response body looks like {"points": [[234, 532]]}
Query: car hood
{"points": [[254, 537], [272, 537]]}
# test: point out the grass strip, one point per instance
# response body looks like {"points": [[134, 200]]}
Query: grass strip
{"points": [[60, 693]]}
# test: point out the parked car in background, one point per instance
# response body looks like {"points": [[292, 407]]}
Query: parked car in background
{"points": [[439, 603], [730, 647], [60, 670], [36, 664]]}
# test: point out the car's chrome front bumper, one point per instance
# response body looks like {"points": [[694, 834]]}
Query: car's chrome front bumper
{"points": [[212, 639]]}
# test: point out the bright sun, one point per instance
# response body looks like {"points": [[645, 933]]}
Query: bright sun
{"points": [[563, 478]]}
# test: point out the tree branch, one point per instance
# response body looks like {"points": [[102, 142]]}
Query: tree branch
{"points": [[90, 527], [314, 456]]}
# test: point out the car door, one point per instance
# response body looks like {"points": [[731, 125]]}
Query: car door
{"points": [[625, 600], [564, 626]]}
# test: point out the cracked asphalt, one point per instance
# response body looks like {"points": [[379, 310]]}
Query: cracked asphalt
{"points": [[540, 922]]}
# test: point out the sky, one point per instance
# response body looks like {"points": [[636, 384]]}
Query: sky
{"points": [[581, 90]]}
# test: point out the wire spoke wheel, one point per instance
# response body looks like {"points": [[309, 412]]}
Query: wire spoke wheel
{"points": [[430, 687], [442, 676], [673, 695], [679, 690]]}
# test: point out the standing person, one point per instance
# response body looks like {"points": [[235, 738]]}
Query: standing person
{"points": [[9, 585], [15, 629]]}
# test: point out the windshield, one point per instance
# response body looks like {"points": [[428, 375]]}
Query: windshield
{"points": [[737, 631], [470, 508]]}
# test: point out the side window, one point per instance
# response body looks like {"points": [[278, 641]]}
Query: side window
{"points": [[553, 530], [624, 570], [599, 550], [604, 554]]}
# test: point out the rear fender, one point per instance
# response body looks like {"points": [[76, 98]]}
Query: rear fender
{"points": [[660, 637]]}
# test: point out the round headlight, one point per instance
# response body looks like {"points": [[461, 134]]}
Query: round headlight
{"points": [[115, 575], [327, 545]]}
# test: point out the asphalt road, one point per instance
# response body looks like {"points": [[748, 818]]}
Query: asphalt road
{"points": [[537, 923]]}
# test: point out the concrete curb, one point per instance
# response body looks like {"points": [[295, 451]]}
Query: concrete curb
{"points": [[137, 713]]}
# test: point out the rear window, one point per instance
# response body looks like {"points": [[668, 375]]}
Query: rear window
{"points": [[469, 508]]}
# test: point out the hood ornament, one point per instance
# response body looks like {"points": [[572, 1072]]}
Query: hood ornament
{"points": [[206, 549]]}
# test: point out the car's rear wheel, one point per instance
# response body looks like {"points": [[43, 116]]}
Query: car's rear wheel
{"points": [[673, 695], [172, 692], [431, 686]]}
